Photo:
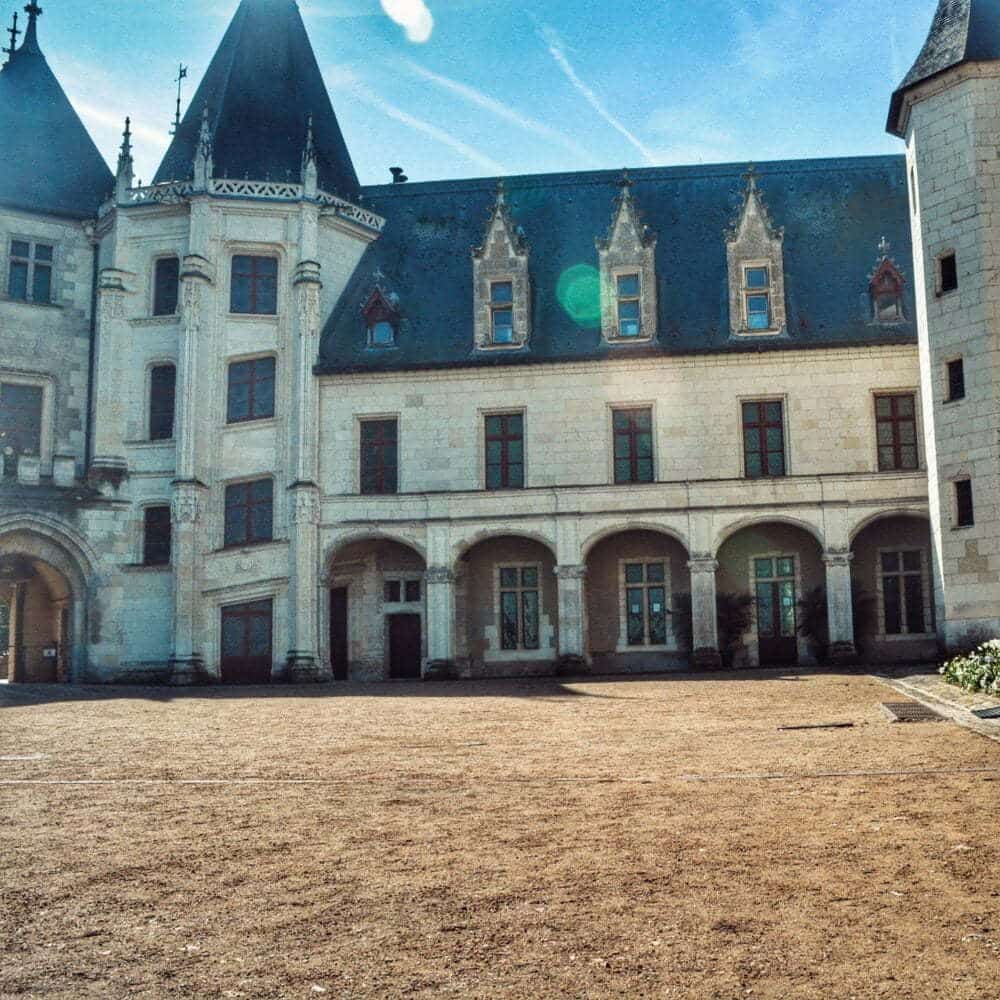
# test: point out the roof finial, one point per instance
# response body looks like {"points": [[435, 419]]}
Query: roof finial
{"points": [[203, 166], [751, 177], [310, 168], [884, 247], [31, 36], [13, 32], [181, 75], [126, 150], [124, 176], [501, 192], [625, 182]]}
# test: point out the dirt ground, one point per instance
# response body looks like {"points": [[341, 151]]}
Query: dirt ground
{"points": [[643, 838]]}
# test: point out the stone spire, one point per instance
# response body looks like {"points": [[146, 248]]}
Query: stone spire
{"points": [[202, 166], [30, 43], [124, 174]]}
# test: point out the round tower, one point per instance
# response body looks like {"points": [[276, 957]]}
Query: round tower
{"points": [[946, 110]]}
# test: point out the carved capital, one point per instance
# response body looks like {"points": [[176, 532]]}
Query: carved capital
{"points": [[838, 557], [195, 269], [187, 505], [570, 572], [440, 574], [304, 504], [703, 564], [308, 273]]}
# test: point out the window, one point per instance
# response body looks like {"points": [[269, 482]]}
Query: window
{"points": [[250, 512], [4, 627], [382, 334], [251, 390], [965, 514], [162, 398], [30, 275], [502, 309], [633, 445], [519, 605], [646, 604], [166, 283], [629, 306], [896, 422], [254, 286], [947, 274], [956, 381], [379, 458], [774, 586], [757, 296], [156, 537], [402, 591], [20, 423], [903, 593], [764, 439], [505, 452]]}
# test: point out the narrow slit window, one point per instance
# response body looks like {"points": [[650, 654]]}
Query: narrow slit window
{"points": [[156, 541], [502, 312], [948, 273], [956, 381], [629, 306], [166, 285], [965, 514], [757, 297], [162, 402]]}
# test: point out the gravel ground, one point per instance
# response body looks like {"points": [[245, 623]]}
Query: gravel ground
{"points": [[632, 838]]}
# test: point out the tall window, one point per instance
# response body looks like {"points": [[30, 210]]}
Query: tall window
{"points": [[956, 381], [379, 457], [30, 274], [947, 273], [774, 582], [896, 422], [4, 627], [633, 435], [629, 306], [254, 286], [965, 511], [156, 536], [757, 297], [519, 605], [251, 390], [646, 603], [20, 423], [502, 311], [903, 593], [250, 512], [764, 439], [162, 400], [505, 452], [166, 284]]}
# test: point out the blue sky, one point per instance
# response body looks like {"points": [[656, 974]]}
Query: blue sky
{"points": [[457, 88]]}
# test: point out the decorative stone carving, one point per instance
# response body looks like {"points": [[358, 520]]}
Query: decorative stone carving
{"points": [[703, 564], [439, 574], [628, 248], [186, 507], [835, 557], [753, 241], [305, 506], [503, 257], [570, 572]]}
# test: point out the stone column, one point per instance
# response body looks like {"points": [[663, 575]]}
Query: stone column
{"points": [[303, 663], [840, 606], [704, 620], [572, 642], [187, 665], [196, 282], [440, 622]]}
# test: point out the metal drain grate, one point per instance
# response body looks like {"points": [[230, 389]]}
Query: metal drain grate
{"points": [[987, 713], [910, 711]]}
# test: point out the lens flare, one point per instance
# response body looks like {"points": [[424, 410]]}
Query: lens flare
{"points": [[579, 293]]}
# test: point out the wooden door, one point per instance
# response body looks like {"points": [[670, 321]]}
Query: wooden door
{"points": [[338, 633], [405, 647], [247, 643], [777, 627]]}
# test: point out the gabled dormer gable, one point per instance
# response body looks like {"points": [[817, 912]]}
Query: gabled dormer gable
{"points": [[627, 257], [501, 281], [755, 253], [381, 314], [886, 285]]}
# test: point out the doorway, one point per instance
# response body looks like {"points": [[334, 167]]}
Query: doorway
{"points": [[405, 647], [247, 643], [338, 633], [777, 627]]}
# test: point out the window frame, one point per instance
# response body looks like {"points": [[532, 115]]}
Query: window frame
{"points": [[939, 272], [927, 602], [46, 384], [373, 326], [150, 399], [155, 287], [146, 543], [485, 417], [404, 579], [895, 421], [617, 274], [495, 306], [961, 505], [359, 465], [747, 292], [249, 538], [764, 401], [253, 360], [624, 644], [634, 458], [254, 255], [520, 590], [949, 382], [31, 262]]}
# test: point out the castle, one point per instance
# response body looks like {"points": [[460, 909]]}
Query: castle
{"points": [[259, 422]]}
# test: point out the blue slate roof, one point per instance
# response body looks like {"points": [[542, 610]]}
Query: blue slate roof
{"points": [[962, 31], [834, 213], [48, 162], [260, 87]]}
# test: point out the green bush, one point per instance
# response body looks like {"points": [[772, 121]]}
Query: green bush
{"points": [[978, 671]]}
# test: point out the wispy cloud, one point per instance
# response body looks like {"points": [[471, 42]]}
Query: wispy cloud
{"points": [[503, 111], [558, 52], [413, 16], [344, 79]]}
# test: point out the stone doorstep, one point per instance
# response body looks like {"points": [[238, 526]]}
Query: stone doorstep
{"points": [[952, 702]]}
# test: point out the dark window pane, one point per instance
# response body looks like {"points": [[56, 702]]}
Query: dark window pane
{"points": [[644, 445], [786, 594], [43, 252], [501, 292], [162, 398], [775, 463], [911, 561], [508, 614], [893, 612], [644, 470], [956, 380], [914, 592], [628, 286], [633, 573], [515, 476], [883, 406], [635, 617], [254, 285], [392, 591], [166, 286], [529, 603], [773, 413], [964, 505], [378, 457], [657, 616], [764, 568], [20, 421], [765, 609], [157, 536], [240, 294], [757, 277], [239, 401], [529, 577], [494, 479], [890, 562], [655, 573], [949, 273], [41, 286], [17, 286], [412, 591], [19, 249], [263, 388], [755, 466], [508, 577], [905, 406], [236, 525], [786, 567], [493, 426], [623, 472], [628, 310]]}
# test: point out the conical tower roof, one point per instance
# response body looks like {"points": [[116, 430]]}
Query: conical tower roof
{"points": [[962, 31], [259, 90], [49, 162]]}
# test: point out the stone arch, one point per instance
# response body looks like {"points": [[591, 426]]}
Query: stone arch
{"points": [[869, 519], [341, 542], [619, 528], [723, 536], [63, 554], [462, 547]]}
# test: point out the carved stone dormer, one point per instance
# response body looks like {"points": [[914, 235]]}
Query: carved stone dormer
{"points": [[628, 273], [501, 282], [381, 315], [755, 251], [885, 288]]}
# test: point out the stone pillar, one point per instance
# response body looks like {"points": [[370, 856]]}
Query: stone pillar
{"points": [[572, 642], [187, 666], [303, 663], [840, 606], [196, 281], [440, 622], [704, 617]]}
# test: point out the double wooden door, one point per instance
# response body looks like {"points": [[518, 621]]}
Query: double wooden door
{"points": [[247, 643]]}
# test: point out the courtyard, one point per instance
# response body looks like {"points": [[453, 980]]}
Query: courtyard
{"points": [[664, 837]]}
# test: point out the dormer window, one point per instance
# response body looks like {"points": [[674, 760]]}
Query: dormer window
{"points": [[886, 289], [381, 315], [629, 306], [757, 296], [502, 310], [382, 334]]}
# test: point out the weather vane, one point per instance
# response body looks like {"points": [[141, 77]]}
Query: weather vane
{"points": [[181, 75], [13, 32]]}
